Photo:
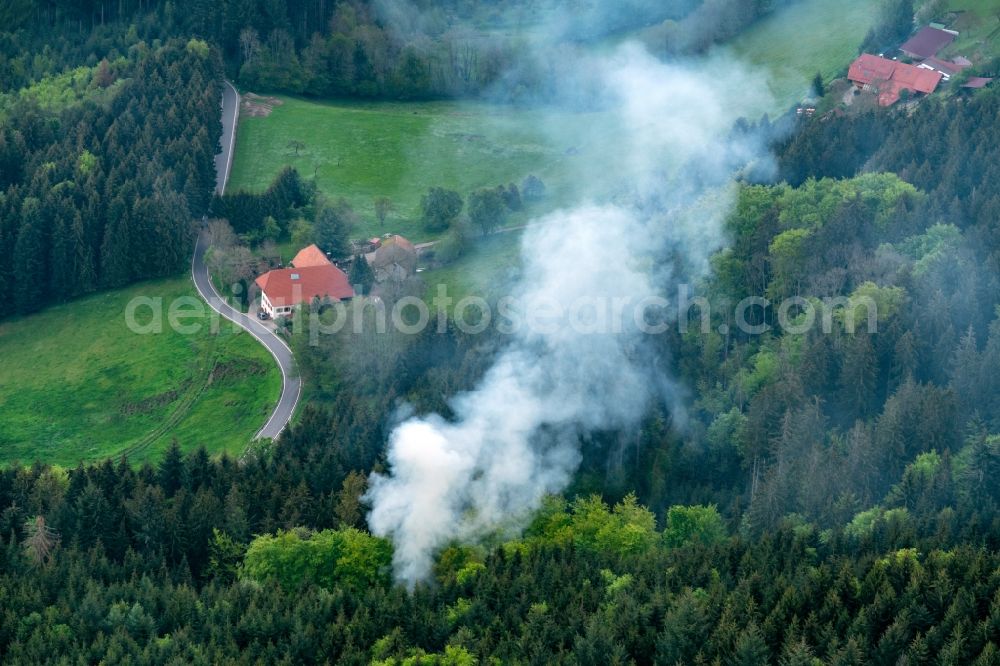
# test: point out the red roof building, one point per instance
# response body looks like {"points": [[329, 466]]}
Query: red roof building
{"points": [[890, 78], [927, 43], [310, 256], [312, 277]]}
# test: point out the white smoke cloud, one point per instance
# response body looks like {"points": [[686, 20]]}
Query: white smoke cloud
{"points": [[515, 438]]}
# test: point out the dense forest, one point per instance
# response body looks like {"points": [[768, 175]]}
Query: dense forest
{"points": [[830, 497], [510, 49], [89, 186]]}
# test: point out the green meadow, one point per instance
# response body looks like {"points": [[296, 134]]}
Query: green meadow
{"points": [[978, 25], [79, 385], [398, 150], [360, 152], [807, 37], [489, 266]]}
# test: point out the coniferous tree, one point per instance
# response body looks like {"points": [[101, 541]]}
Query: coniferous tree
{"points": [[171, 471], [332, 229], [750, 648], [819, 88], [62, 276], [858, 374], [116, 267], [966, 375], [84, 272], [362, 274], [29, 259]]}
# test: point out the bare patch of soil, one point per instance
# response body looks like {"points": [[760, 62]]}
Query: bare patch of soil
{"points": [[257, 106], [237, 369], [149, 404]]}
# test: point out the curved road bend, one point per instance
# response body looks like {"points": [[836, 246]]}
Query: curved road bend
{"points": [[291, 383]]}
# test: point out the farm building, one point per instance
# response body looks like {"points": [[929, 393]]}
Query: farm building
{"points": [[311, 276], [947, 68], [365, 246], [977, 82], [310, 256], [395, 259], [889, 78], [927, 43]]}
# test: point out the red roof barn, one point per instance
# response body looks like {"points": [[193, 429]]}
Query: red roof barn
{"points": [[927, 43], [890, 78]]}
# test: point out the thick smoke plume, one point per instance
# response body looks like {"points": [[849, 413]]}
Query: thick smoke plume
{"points": [[515, 438]]}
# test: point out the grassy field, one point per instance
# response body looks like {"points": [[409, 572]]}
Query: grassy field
{"points": [[485, 271], [77, 384], [360, 152], [978, 24], [808, 37]]}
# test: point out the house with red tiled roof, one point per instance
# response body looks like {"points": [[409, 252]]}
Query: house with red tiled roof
{"points": [[311, 276], [889, 78]]}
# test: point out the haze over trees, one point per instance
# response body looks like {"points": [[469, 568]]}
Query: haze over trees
{"points": [[394, 51], [439, 208], [829, 496], [487, 209], [895, 23]]}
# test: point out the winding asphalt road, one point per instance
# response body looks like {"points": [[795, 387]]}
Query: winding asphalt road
{"points": [[291, 383], [230, 114]]}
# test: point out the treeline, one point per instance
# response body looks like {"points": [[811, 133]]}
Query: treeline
{"points": [[894, 24], [264, 215], [444, 211], [711, 22], [315, 47], [412, 51], [160, 565], [368, 49], [100, 196]]}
